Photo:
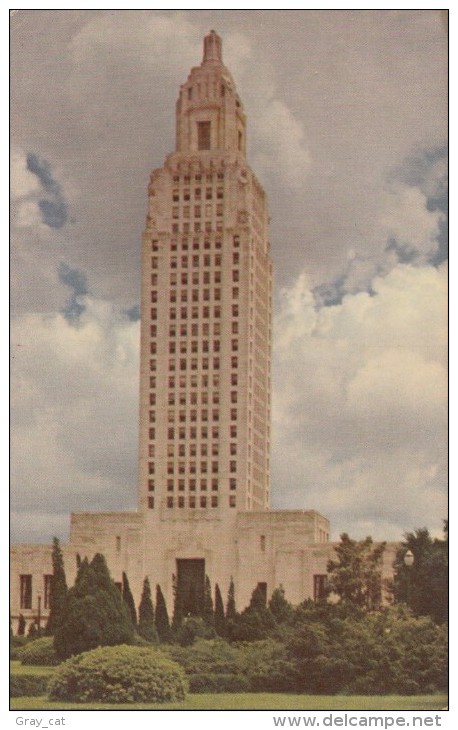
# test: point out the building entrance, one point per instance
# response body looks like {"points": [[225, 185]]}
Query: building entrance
{"points": [[191, 586]]}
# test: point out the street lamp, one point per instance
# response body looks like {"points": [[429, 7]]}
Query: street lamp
{"points": [[408, 562], [408, 559]]}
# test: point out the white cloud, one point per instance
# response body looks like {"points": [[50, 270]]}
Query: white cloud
{"points": [[75, 405], [360, 404]]}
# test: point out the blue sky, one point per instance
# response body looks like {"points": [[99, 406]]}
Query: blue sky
{"points": [[347, 131]]}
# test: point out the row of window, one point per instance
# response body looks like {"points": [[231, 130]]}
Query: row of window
{"points": [[186, 227], [185, 245], [193, 502], [204, 484], [205, 346], [192, 449], [198, 177], [196, 211], [197, 193], [194, 432]]}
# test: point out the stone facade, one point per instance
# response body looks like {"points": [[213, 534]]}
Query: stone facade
{"points": [[205, 384]]}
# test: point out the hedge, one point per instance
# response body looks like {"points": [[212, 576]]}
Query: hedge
{"points": [[28, 685], [39, 653], [214, 683]]}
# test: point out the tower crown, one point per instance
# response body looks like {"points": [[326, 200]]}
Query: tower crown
{"points": [[213, 48], [209, 112]]}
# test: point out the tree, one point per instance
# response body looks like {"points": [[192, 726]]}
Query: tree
{"points": [[219, 620], [146, 626], [162, 617], [279, 607], [356, 576], [21, 625], [256, 621], [128, 599], [424, 585], [208, 603], [59, 589], [94, 613], [231, 613]]}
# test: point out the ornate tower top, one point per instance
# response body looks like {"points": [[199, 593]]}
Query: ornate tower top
{"points": [[209, 112], [213, 48]]}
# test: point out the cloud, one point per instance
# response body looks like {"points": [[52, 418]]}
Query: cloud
{"points": [[53, 209], [360, 419], [75, 404], [77, 281]]}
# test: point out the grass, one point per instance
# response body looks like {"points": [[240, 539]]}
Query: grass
{"points": [[261, 701]]}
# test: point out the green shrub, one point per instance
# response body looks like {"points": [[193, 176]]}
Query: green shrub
{"points": [[214, 683], [39, 652], [206, 657], [28, 685], [16, 645], [119, 674]]}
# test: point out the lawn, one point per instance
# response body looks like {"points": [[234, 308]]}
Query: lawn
{"points": [[261, 701]]}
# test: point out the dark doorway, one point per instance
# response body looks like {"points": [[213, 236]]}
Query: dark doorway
{"points": [[191, 586]]}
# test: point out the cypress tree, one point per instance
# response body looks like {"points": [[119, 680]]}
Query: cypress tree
{"points": [[208, 603], [146, 626], [231, 613], [94, 613], [178, 609], [59, 589], [220, 620], [162, 617], [128, 599], [21, 625]]}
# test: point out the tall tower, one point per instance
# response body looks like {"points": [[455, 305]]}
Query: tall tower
{"points": [[205, 378]]}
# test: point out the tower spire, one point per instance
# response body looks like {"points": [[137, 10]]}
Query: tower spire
{"points": [[213, 48]]}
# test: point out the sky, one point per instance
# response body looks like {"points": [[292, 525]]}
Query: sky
{"points": [[347, 132]]}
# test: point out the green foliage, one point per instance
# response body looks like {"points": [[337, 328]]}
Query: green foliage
{"points": [[267, 667], [208, 603], [220, 619], [39, 652], [206, 657], [128, 599], [119, 674], [58, 589], [162, 618], [356, 575], [279, 607], [192, 628], [255, 622], [28, 685], [94, 613], [370, 653], [231, 612], [16, 644], [218, 683], [146, 626], [424, 585]]}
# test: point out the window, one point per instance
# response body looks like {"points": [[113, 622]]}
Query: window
{"points": [[203, 501], [47, 586], [26, 591], [203, 135], [232, 484], [169, 502], [214, 501], [150, 485], [232, 500], [319, 587], [150, 502], [262, 543]]}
